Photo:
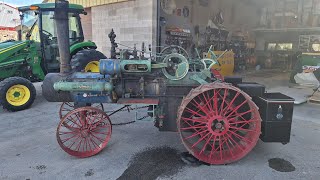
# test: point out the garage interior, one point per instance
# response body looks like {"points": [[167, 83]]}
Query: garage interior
{"points": [[264, 33], [199, 24]]}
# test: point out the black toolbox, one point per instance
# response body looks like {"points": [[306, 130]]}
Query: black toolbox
{"points": [[276, 111]]}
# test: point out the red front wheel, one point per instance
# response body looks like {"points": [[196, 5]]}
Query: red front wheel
{"points": [[84, 132]]}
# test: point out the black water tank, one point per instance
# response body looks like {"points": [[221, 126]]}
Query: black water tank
{"points": [[276, 111]]}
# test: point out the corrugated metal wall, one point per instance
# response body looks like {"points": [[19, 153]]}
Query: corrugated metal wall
{"points": [[91, 3]]}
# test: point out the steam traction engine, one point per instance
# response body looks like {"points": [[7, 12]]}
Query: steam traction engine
{"points": [[218, 122]]}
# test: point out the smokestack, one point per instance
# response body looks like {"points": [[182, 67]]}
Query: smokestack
{"points": [[62, 24]]}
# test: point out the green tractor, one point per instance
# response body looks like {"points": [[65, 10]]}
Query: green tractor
{"points": [[36, 53]]}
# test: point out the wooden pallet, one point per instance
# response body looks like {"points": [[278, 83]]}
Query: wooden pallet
{"points": [[315, 99]]}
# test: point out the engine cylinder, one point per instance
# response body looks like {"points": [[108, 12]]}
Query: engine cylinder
{"points": [[110, 67]]}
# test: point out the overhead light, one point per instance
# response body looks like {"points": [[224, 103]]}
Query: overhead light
{"points": [[34, 7]]}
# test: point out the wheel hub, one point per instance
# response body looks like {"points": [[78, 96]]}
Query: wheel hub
{"points": [[85, 133], [218, 125], [18, 95]]}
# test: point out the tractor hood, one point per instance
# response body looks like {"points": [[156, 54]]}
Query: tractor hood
{"points": [[6, 44], [8, 48]]}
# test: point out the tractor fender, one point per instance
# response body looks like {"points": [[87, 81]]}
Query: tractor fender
{"points": [[82, 45]]}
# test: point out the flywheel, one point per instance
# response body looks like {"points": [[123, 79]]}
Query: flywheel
{"points": [[177, 66]]}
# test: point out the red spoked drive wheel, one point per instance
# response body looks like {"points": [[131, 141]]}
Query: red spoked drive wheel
{"points": [[218, 123], [84, 132], [66, 107]]}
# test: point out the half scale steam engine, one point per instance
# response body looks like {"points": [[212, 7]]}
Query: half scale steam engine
{"points": [[218, 122]]}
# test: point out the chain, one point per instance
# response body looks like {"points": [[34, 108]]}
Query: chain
{"points": [[129, 108], [140, 119], [144, 117]]}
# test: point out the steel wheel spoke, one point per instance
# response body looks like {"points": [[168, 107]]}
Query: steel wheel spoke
{"points": [[244, 122], [89, 143], [213, 149], [241, 129], [78, 147], [193, 127], [195, 134], [193, 112], [241, 137], [206, 144], [220, 145], [232, 101], [74, 142], [201, 139], [193, 120], [64, 133], [200, 107], [98, 138], [223, 101], [241, 115], [229, 146], [237, 108], [67, 139], [99, 133]]}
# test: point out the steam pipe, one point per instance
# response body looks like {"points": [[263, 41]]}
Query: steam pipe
{"points": [[62, 23]]}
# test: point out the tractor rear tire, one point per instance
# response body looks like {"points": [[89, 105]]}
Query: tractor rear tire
{"points": [[81, 61], [16, 94]]}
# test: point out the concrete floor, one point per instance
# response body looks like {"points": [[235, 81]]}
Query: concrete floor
{"points": [[29, 150]]}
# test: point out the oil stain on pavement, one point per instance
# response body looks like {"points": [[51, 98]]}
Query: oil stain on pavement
{"points": [[89, 173], [153, 163], [281, 165]]}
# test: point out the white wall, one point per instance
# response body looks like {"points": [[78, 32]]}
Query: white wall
{"points": [[134, 22]]}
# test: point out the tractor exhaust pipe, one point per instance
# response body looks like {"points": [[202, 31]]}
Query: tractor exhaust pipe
{"points": [[62, 24]]}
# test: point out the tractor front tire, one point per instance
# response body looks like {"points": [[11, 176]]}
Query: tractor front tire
{"points": [[87, 60], [16, 94]]}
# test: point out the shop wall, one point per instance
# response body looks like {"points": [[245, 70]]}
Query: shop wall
{"points": [[134, 22]]}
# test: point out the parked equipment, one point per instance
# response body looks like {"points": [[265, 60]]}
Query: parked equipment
{"points": [[36, 53], [217, 121]]}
